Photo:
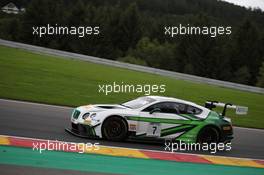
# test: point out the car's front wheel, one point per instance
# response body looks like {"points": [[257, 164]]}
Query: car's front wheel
{"points": [[115, 129]]}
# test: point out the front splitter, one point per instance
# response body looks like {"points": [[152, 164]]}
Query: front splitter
{"points": [[80, 134]]}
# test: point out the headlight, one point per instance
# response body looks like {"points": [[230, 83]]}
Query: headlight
{"points": [[93, 115], [85, 116]]}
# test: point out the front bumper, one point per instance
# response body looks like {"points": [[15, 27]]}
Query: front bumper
{"points": [[80, 130]]}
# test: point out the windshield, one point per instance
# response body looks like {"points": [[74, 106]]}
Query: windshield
{"points": [[139, 102]]}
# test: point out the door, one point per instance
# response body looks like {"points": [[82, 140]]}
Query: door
{"points": [[161, 120]]}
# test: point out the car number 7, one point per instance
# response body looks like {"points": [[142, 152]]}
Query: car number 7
{"points": [[154, 129]]}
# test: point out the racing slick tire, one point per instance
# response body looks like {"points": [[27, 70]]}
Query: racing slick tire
{"points": [[208, 135], [115, 129]]}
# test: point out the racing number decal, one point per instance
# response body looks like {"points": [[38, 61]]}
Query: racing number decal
{"points": [[153, 129]]}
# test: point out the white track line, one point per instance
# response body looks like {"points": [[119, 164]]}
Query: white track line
{"points": [[250, 129], [32, 103]]}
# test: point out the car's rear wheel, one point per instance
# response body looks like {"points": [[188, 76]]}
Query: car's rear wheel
{"points": [[208, 135], [115, 129]]}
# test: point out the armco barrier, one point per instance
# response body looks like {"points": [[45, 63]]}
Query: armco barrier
{"points": [[161, 72]]}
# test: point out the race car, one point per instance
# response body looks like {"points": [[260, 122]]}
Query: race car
{"points": [[154, 117]]}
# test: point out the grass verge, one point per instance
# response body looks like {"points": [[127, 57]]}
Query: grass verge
{"points": [[47, 79]]}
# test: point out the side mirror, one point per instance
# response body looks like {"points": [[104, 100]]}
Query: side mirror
{"points": [[154, 110]]}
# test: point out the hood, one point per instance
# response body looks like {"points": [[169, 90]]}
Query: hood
{"points": [[101, 107]]}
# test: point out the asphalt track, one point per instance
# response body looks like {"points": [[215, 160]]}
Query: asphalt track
{"points": [[48, 122], [16, 169]]}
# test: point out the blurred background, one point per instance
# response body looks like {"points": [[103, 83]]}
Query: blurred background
{"points": [[133, 31]]}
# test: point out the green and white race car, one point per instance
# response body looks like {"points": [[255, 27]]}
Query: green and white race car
{"points": [[154, 117]]}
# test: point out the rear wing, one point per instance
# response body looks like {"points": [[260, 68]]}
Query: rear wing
{"points": [[240, 110]]}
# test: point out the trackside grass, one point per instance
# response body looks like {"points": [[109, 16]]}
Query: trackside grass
{"points": [[47, 79]]}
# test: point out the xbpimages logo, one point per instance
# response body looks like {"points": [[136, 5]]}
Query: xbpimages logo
{"points": [[147, 89]]}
